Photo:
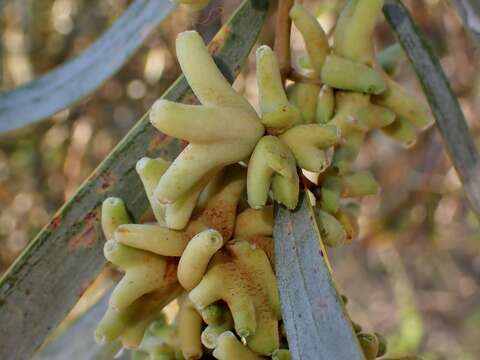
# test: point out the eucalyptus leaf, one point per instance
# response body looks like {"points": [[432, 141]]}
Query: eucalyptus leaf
{"points": [[318, 327], [70, 82], [449, 117]]}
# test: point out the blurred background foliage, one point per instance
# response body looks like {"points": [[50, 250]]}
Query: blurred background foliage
{"points": [[414, 273]]}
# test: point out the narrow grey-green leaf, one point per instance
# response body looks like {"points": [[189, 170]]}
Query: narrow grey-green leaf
{"points": [[65, 85], [445, 106], [318, 327], [53, 271]]}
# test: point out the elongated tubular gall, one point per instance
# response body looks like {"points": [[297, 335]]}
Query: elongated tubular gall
{"points": [[189, 330], [144, 272], [277, 113], [133, 320], [285, 191], [325, 105], [348, 105], [304, 97], [163, 331], [213, 90], [355, 28], [211, 333], [349, 221], [230, 348], [345, 155], [315, 38], [358, 184], [391, 58], [202, 124], [221, 210], [113, 324], [307, 143], [375, 117], [332, 231], [194, 260], [402, 131], [212, 188], [114, 214], [341, 73], [175, 215], [254, 222], [405, 105], [331, 190], [215, 314], [148, 308], [194, 163], [264, 293], [271, 156], [257, 261], [225, 281], [150, 171], [133, 334], [202, 74], [153, 238]]}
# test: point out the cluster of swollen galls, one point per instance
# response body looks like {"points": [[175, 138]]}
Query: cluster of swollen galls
{"points": [[211, 246]]}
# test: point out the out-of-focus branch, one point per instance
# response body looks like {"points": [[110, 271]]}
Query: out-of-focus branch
{"points": [[469, 10], [282, 36]]}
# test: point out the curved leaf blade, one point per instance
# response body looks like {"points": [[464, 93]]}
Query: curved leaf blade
{"points": [[449, 117], [65, 85]]}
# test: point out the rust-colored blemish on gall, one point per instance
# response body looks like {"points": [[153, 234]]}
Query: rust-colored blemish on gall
{"points": [[221, 218], [171, 270], [87, 236]]}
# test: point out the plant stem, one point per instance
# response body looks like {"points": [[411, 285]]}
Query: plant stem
{"points": [[282, 36]]}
